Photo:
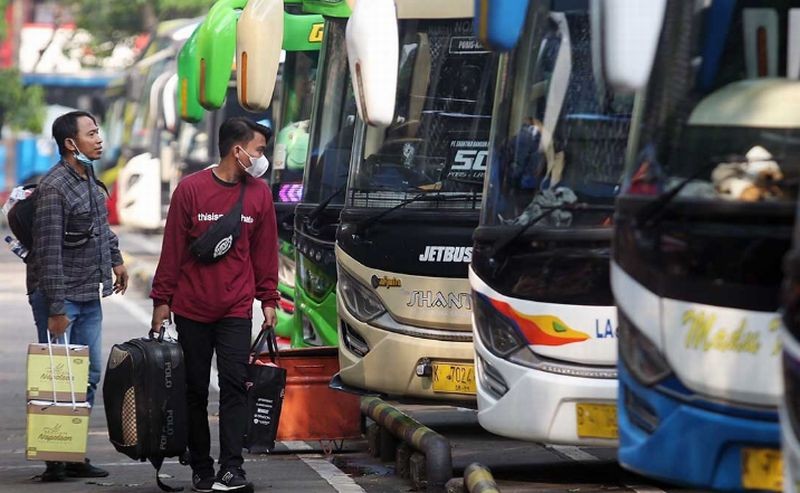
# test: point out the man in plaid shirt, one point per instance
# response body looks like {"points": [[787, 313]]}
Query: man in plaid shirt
{"points": [[74, 252]]}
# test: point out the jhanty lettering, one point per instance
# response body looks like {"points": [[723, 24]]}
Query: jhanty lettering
{"points": [[438, 299]]}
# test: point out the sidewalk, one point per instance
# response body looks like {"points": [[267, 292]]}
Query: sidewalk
{"points": [[124, 318]]}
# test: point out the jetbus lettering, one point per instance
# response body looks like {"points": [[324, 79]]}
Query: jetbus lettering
{"points": [[702, 335], [608, 331], [446, 254], [438, 299]]}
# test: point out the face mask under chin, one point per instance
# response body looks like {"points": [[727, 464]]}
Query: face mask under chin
{"points": [[81, 157]]}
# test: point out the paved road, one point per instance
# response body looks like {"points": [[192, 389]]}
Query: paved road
{"points": [[295, 467], [124, 318]]}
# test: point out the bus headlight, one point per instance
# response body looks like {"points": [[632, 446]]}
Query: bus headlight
{"points": [[496, 333], [641, 356], [313, 280], [359, 300]]}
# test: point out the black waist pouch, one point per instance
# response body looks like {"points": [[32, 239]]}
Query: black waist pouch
{"points": [[218, 240]]}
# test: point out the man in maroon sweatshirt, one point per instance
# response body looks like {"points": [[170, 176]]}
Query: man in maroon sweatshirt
{"points": [[213, 302]]}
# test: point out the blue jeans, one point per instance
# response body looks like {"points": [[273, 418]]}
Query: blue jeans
{"points": [[85, 321]]}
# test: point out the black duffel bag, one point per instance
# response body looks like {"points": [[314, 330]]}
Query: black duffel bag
{"points": [[145, 399]]}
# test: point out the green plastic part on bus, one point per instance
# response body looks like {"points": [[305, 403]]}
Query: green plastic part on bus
{"points": [[328, 8], [302, 32], [217, 48], [321, 314], [188, 81]]}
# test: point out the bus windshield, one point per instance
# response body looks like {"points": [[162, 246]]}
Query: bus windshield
{"points": [[331, 141], [291, 141], [559, 133], [438, 142], [721, 114]]}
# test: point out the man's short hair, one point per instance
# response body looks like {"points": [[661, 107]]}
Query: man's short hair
{"points": [[66, 127], [239, 130]]}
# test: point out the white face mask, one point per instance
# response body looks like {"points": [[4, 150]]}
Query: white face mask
{"points": [[258, 165]]}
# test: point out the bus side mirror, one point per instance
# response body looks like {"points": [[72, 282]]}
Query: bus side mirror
{"points": [[188, 101], [259, 37], [373, 48], [170, 113], [631, 30], [216, 43], [498, 23]]}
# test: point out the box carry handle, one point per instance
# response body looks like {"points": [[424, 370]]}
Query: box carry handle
{"points": [[69, 366]]}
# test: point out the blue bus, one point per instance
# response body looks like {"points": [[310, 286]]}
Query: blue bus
{"points": [[702, 223]]}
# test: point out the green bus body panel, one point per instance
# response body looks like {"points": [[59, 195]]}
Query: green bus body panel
{"points": [[285, 324], [188, 81], [302, 32], [322, 314], [328, 8], [217, 48], [284, 327]]}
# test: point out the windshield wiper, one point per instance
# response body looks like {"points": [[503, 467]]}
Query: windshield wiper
{"points": [[365, 223], [316, 211], [650, 214], [504, 241]]}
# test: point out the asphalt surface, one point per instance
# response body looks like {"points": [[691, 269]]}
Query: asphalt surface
{"points": [[294, 466]]}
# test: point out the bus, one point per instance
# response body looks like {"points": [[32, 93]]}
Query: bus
{"points": [[703, 220], [544, 320], [317, 214], [302, 39], [790, 404], [413, 199]]}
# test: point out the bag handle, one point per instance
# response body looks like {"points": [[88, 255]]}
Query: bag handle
{"points": [[157, 335], [267, 335]]}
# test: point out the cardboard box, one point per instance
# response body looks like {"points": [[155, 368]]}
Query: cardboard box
{"points": [[40, 379], [57, 432]]}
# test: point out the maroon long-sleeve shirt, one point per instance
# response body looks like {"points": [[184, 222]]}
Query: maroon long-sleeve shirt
{"points": [[209, 292]]}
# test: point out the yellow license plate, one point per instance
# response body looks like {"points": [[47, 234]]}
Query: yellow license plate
{"points": [[597, 420], [762, 469], [454, 378]]}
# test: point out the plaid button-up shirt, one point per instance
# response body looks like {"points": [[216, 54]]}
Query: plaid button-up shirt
{"points": [[60, 271]]}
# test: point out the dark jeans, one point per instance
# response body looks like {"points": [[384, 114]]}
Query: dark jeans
{"points": [[230, 338]]}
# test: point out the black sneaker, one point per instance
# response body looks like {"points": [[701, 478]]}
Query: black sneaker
{"points": [[84, 470], [55, 471], [203, 482], [232, 479]]}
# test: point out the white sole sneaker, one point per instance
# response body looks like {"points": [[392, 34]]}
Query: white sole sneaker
{"points": [[221, 487]]}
